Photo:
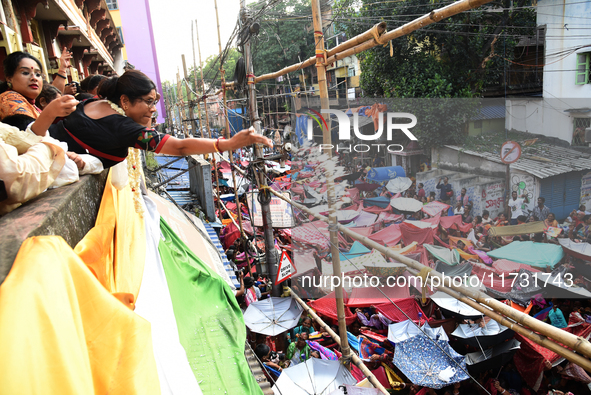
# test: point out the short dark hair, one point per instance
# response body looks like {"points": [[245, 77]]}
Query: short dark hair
{"points": [[133, 84], [485, 212], [91, 82], [49, 93], [11, 63], [522, 218], [542, 199], [261, 351]]}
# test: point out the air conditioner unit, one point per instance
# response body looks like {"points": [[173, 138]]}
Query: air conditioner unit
{"points": [[588, 135]]}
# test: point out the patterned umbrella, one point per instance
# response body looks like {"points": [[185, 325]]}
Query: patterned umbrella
{"points": [[421, 360]]}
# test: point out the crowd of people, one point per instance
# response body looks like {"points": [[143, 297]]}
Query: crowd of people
{"points": [[106, 118], [470, 235]]}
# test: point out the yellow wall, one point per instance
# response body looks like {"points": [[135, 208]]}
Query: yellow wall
{"points": [[117, 19]]}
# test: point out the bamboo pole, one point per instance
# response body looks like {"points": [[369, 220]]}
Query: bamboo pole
{"points": [[225, 110], [533, 336], [203, 83], [427, 19], [578, 344], [327, 139], [356, 360]]}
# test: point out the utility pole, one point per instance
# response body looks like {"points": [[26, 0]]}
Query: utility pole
{"points": [[332, 216], [198, 112], [191, 102], [202, 83], [265, 196]]}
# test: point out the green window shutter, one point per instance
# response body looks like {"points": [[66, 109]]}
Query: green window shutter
{"points": [[582, 72]]}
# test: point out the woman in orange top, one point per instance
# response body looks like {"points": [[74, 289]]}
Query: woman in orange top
{"points": [[24, 82]]}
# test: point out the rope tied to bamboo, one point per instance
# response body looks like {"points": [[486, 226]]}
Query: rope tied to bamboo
{"points": [[251, 78], [380, 39], [423, 274], [320, 53]]}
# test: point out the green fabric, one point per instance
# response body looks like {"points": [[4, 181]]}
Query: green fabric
{"points": [[210, 323], [292, 349], [530, 253], [445, 255]]}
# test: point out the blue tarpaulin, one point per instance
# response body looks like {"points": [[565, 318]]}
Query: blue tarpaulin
{"points": [[381, 174], [381, 202], [301, 129], [530, 253], [235, 121]]}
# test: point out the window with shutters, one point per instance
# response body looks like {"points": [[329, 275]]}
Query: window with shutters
{"points": [[583, 69], [579, 126]]}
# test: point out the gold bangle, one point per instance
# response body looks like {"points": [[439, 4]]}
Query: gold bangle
{"points": [[215, 146]]}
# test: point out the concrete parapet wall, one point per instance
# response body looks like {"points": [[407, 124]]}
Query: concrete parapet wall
{"points": [[69, 212]]}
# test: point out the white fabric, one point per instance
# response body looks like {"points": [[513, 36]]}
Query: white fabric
{"points": [[447, 302], [155, 305], [27, 175], [272, 316], [119, 175], [315, 376], [92, 165], [472, 330]]}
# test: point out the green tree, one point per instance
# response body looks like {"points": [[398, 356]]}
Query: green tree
{"points": [[285, 34], [211, 68]]}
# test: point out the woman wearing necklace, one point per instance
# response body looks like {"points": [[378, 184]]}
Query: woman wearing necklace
{"points": [[107, 127]]}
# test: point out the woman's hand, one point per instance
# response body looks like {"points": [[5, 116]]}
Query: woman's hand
{"points": [[243, 138], [62, 106], [65, 61], [77, 159]]}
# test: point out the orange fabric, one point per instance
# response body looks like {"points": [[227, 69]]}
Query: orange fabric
{"points": [[12, 103]]}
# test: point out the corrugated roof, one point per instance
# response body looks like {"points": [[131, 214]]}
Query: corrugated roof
{"points": [[490, 112], [541, 160]]}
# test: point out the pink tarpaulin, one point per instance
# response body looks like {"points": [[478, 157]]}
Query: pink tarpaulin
{"points": [[419, 254], [354, 194], [247, 226], [388, 217], [231, 206], [312, 233], [435, 208], [371, 296], [455, 220], [304, 262], [410, 307], [296, 188], [377, 210], [362, 230], [366, 219], [389, 236], [327, 307], [504, 266], [411, 233]]}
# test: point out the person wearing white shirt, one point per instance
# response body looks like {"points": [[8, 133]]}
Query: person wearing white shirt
{"points": [[515, 206], [459, 209]]}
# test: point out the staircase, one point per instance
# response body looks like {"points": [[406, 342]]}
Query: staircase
{"points": [[257, 371]]}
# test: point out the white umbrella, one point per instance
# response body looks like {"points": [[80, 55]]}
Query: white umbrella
{"points": [[399, 184], [406, 329], [406, 204], [313, 377], [272, 316], [453, 307]]}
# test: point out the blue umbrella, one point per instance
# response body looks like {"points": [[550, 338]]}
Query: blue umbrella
{"points": [[421, 360]]}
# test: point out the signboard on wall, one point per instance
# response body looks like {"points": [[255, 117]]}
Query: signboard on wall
{"points": [[281, 211], [586, 190]]}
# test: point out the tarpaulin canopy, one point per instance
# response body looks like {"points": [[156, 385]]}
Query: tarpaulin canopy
{"points": [[304, 262], [366, 187], [451, 257], [362, 230], [530, 253], [412, 233], [357, 263], [505, 266], [380, 174], [381, 202], [421, 359], [327, 306], [477, 336], [389, 236], [346, 216], [371, 296], [456, 222], [515, 230], [357, 249], [577, 250], [454, 271], [365, 219], [433, 208], [410, 307]]}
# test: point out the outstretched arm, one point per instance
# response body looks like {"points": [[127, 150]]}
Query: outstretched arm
{"points": [[60, 82], [178, 147]]}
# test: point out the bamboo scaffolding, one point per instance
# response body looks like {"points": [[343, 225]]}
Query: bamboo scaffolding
{"points": [[520, 319], [427, 19], [356, 360]]}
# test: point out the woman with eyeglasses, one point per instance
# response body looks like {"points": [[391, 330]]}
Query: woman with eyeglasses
{"points": [[24, 82], [121, 119]]}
